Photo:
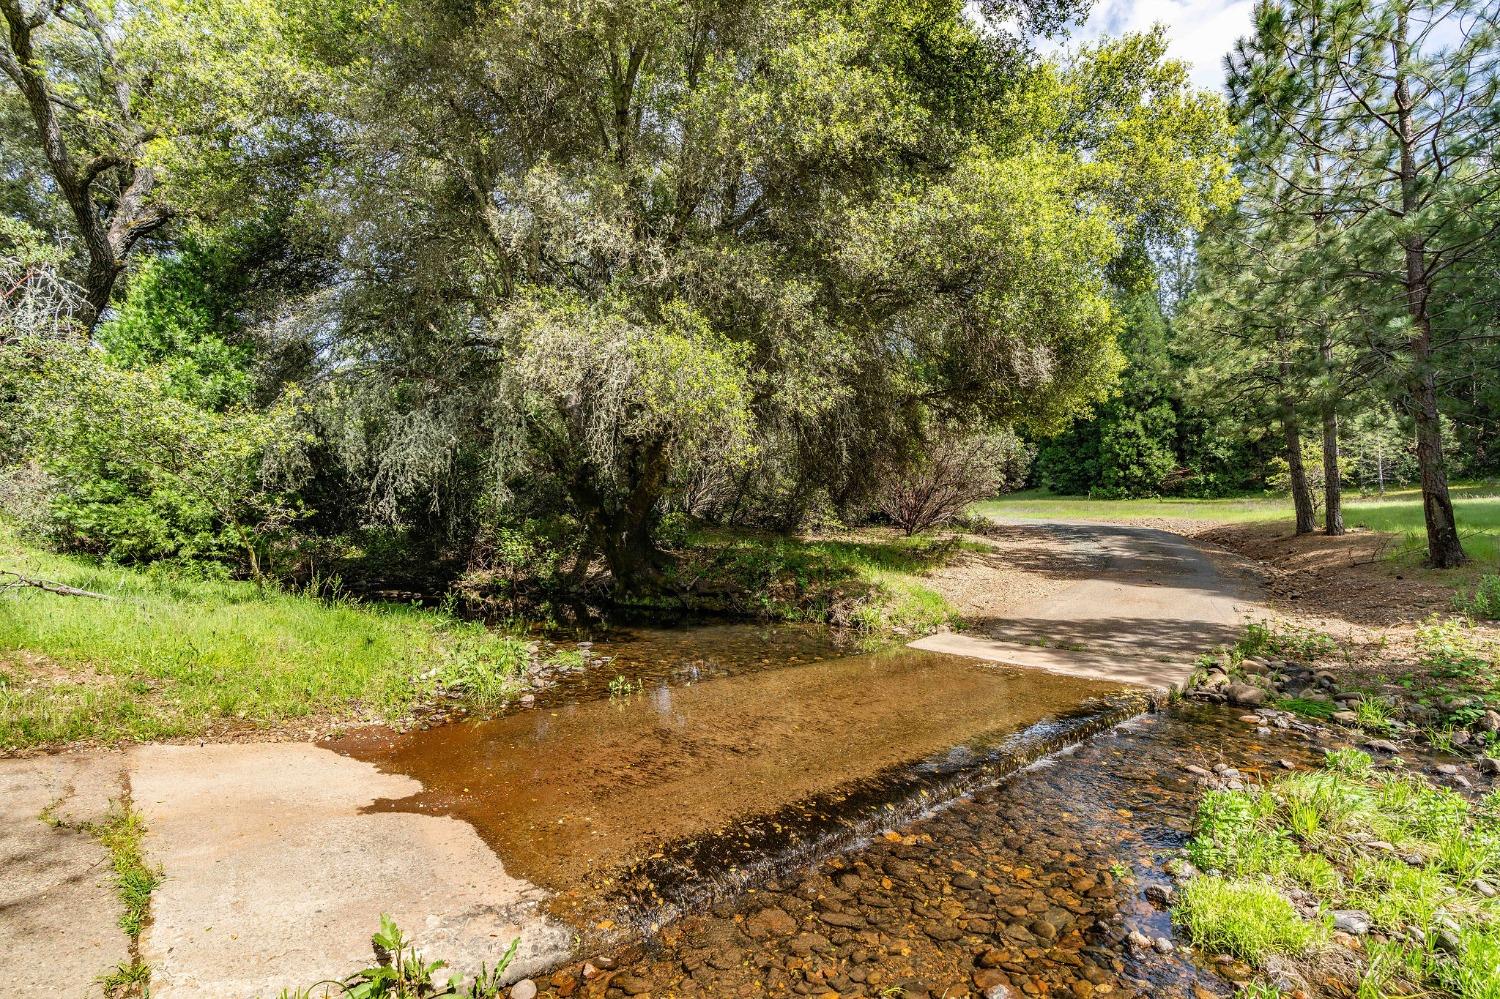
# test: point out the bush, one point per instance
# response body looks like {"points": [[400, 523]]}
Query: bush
{"points": [[956, 472], [143, 474]]}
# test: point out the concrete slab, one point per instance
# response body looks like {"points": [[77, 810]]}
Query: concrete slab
{"points": [[1157, 604], [276, 876], [58, 909]]}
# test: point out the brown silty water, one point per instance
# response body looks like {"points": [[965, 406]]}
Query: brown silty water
{"points": [[715, 763]]}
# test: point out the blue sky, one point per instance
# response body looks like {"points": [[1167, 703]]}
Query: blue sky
{"points": [[1202, 31]]}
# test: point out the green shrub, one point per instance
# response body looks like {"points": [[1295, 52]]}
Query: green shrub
{"points": [[1484, 600], [143, 474], [1248, 919], [1276, 638]]}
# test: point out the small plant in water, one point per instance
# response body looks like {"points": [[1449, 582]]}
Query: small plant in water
{"points": [[623, 686]]}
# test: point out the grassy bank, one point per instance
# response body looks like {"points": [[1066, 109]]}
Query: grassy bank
{"points": [[179, 654], [1383, 855], [867, 580], [175, 653]]}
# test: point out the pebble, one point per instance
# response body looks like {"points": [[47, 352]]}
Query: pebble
{"points": [[1352, 921], [524, 989]]}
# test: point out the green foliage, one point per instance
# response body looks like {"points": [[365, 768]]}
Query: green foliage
{"points": [[1148, 439], [179, 318], [1247, 919], [1483, 601], [1281, 638], [748, 293], [1233, 837], [180, 653], [142, 474], [1408, 853]]}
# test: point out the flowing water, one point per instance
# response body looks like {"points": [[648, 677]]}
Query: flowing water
{"points": [[1031, 886], [726, 753], [715, 807]]}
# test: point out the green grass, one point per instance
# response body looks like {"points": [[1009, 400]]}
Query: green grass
{"points": [[1320, 710], [1314, 832], [1246, 919], [121, 833], [1399, 512], [177, 654]]}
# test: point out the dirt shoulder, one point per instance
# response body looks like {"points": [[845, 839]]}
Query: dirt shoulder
{"points": [[1351, 578]]}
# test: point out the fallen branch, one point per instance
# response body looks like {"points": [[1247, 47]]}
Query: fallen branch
{"points": [[14, 580]]}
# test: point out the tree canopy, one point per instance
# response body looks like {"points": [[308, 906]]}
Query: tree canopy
{"points": [[592, 263]]}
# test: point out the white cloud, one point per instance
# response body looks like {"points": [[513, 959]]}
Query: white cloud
{"points": [[1201, 33]]}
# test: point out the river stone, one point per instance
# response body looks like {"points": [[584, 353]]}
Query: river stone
{"points": [[770, 922], [631, 985], [524, 989], [1383, 746], [1351, 921], [1160, 895], [1246, 695]]}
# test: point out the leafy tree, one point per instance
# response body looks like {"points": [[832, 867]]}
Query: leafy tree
{"points": [[138, 109], [1147, 438], [877, 219], [144, 474]]}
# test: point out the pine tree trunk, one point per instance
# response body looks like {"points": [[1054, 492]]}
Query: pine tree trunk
{"points": [[1333, 494], [1301, 493], [1444, 549]]}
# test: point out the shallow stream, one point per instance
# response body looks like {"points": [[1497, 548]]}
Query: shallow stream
{"points": [[714, 807]]}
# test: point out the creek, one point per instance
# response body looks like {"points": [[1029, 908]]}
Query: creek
{"points": [[745, 810]]}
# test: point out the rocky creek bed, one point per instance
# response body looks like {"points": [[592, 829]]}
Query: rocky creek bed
{"points": [[1054, 883]]}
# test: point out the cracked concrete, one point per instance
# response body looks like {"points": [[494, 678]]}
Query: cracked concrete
{"points": [[59, 914]]}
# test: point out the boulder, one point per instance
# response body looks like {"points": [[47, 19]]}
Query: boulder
{"points": [[1246, 696]]}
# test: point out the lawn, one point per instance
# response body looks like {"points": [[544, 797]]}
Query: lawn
{"points": [[1399, 512], [181, 654]]}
